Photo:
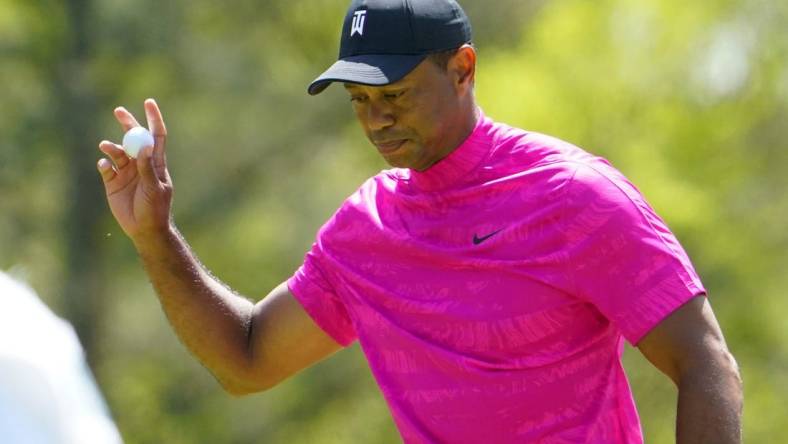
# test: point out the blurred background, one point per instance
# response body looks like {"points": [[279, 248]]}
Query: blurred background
{"points": [[688, 99]]}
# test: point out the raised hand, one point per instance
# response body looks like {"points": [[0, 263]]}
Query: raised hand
{"points": [[139, 191]]}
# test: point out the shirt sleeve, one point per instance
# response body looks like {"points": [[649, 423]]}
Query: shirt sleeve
{"points": [[316, 294], [622, 256]]}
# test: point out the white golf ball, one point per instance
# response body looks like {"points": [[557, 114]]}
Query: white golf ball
{"points": [[136, 139]]}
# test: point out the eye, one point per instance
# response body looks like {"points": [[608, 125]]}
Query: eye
{"points": [[394, 95], [358, 98]]}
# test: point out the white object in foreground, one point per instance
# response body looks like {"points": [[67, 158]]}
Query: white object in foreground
{"points": [[136, 139], [47, 393]]}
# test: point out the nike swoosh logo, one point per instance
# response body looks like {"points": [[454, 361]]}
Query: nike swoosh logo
{"points": [[477, 240]]}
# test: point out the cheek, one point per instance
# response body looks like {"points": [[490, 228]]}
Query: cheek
{"points": [[424, 120], [432, 127]]}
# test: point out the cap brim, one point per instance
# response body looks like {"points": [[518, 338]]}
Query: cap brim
{"points": [[368, 69]]}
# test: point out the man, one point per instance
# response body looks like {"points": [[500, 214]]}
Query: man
{"points": [[47, 394], [490, 277]]}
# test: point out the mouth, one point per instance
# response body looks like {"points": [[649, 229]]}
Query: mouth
{"points": [[390, 146]]}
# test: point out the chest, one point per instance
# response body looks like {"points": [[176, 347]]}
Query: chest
{"points": [[488, 280]]}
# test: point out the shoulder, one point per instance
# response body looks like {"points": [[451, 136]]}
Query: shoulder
{"points": [[588, 186], [523, 149], [553, 162], [366, 196], [362, 206], [597, 182], [601, 200]]}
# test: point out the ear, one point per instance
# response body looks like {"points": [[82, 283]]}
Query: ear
{"points": [[463, 68]]}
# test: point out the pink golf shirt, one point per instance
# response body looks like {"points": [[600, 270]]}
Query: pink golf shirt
{"points": [[492, 292]]}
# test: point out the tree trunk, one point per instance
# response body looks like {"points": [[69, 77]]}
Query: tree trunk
{"points": [[84, 284]]}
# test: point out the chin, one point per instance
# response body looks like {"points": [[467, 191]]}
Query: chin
{"points": [[396, 164], [397, 160], [405, 158]]}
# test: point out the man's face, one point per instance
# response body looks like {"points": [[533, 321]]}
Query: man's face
{"points": [[413, 122]]}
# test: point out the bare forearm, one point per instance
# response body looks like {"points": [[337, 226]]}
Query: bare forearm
{"points": [[209, 318], [710, 407]]}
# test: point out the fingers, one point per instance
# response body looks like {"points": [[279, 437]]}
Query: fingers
{"points": [[155, 120], [145, 167], [115, 152], [159, 131], [106, 170], [117, 172], [125, 118], [156, 162]]}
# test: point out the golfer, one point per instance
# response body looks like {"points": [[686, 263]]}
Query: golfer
{"points": [[491, 276]]}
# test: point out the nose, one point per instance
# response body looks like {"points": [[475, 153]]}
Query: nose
{"points": [[379, 116]]}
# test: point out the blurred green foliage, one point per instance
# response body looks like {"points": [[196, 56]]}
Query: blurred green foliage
{"points": [[689, 100]]}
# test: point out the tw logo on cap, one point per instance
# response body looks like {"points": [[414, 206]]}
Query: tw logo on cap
{"points": [[357, 27]]}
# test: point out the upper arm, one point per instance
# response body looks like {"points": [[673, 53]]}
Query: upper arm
{"points": [[284, 339], [688, 339]]}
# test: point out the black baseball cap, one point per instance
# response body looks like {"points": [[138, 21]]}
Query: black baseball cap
{"points": [[383, 40]]}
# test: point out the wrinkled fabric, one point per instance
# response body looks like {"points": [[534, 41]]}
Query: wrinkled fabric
{"points": [[492, 293]]}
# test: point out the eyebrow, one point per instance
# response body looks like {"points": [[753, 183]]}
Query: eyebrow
{"points": [[399, 87]]}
